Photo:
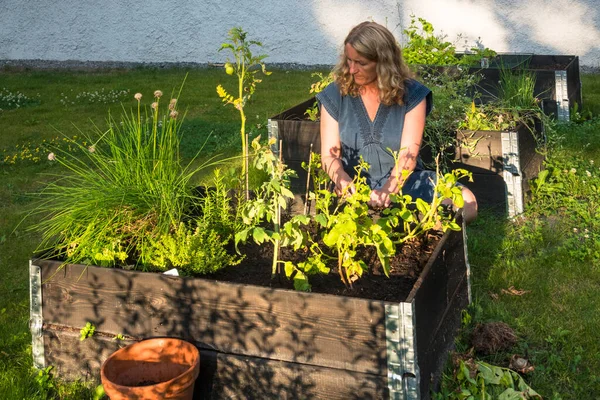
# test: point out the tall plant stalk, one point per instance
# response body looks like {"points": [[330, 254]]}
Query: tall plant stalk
{"points": [[245, 65]]}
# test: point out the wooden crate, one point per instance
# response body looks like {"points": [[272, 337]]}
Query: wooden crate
{"points": [[257, 342], [502, 163]]}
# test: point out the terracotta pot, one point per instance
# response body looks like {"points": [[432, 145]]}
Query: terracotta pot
{"points": [[159, 368]]}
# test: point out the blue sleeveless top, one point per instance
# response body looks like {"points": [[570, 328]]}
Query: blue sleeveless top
{"points": [[360, 136]]}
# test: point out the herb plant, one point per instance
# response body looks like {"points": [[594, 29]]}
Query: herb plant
{"points": [[121, 192]]}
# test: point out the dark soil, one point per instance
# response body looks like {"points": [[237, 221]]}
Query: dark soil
{"points": [[406, 267]]}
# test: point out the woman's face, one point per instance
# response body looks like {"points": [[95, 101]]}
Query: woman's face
{"points": [[363, 71]]}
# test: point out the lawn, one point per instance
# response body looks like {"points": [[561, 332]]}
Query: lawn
{"points": [[539, 273]]}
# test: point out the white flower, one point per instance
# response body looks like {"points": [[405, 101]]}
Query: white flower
{"points": [[51, 157], [157, 94], [591, 162], [91, 149], [573, 170], [575, 230], [138, 96], [588, 173]]}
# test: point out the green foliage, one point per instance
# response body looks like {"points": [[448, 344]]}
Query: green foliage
{"points": [[451, 89], [347, 224], [423, 46], [488, 117], [317, 87], [199, 251], [475, 380], [516, 89], [245, 65], [45, 381], [128, 187], [270, 198], [87, 331]]}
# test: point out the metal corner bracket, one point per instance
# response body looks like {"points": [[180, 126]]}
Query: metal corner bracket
{"points": [[36, 322], [511, 172], [401, 345]]}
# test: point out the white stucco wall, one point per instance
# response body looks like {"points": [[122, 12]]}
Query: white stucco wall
{"points": [[305, 32]]}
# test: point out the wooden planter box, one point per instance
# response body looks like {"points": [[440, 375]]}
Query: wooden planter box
{"points": [[558, 83], [257, 342], [502, 163], [296, 134]]}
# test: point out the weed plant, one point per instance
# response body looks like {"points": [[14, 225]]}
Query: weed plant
{"points": [[10, 100]]}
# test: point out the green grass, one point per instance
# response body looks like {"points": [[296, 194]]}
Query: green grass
{"points": [[208, 123], [591, 92], [556, 318]]}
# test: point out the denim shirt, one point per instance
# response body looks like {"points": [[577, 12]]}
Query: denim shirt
{"points": [[372, 140]]}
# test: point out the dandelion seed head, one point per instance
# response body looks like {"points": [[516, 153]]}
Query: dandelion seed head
{"points": [[51, 157], [154, 105], [138, 96], [158, 94], [174, 114]]}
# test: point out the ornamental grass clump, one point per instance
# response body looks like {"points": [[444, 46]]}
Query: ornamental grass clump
{"points": [[127, 191]]}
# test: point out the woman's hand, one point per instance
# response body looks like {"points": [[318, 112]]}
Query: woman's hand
{"points": [[344, 186], [379, 198]]}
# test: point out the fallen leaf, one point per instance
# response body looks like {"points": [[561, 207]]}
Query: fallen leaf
{"points": [[515, 292]]}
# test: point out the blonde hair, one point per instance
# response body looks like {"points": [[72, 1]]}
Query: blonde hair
{"points": [[376, 43]]}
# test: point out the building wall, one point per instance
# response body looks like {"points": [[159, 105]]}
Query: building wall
{"points": [[302, 31]]}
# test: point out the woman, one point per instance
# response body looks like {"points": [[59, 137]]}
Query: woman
{"points": [[373, 106]]}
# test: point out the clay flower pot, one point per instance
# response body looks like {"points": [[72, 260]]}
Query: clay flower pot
{"points": [[161, 368]]}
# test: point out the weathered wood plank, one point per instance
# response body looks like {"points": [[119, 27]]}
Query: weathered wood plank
{"points": [[331, 331], [222, 376]]}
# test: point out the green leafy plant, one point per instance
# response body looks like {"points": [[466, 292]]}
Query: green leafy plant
{"points": [[479, 380], [128, 187], [270, 198], [489, 117], [45, 381], [348, 225], [425, 47], [313, 112], [452, 93], [245, 65], [87, 331], [203, 249]]}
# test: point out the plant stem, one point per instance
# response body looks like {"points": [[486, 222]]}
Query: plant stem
{"points": [[307, 179]]}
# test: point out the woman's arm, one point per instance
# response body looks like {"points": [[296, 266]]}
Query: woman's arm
{"points": [[412, 136], [331, 152]]}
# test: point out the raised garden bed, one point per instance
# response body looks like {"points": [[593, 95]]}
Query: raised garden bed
{"points": [[257, 342], [502, 163], [558, 84]]}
